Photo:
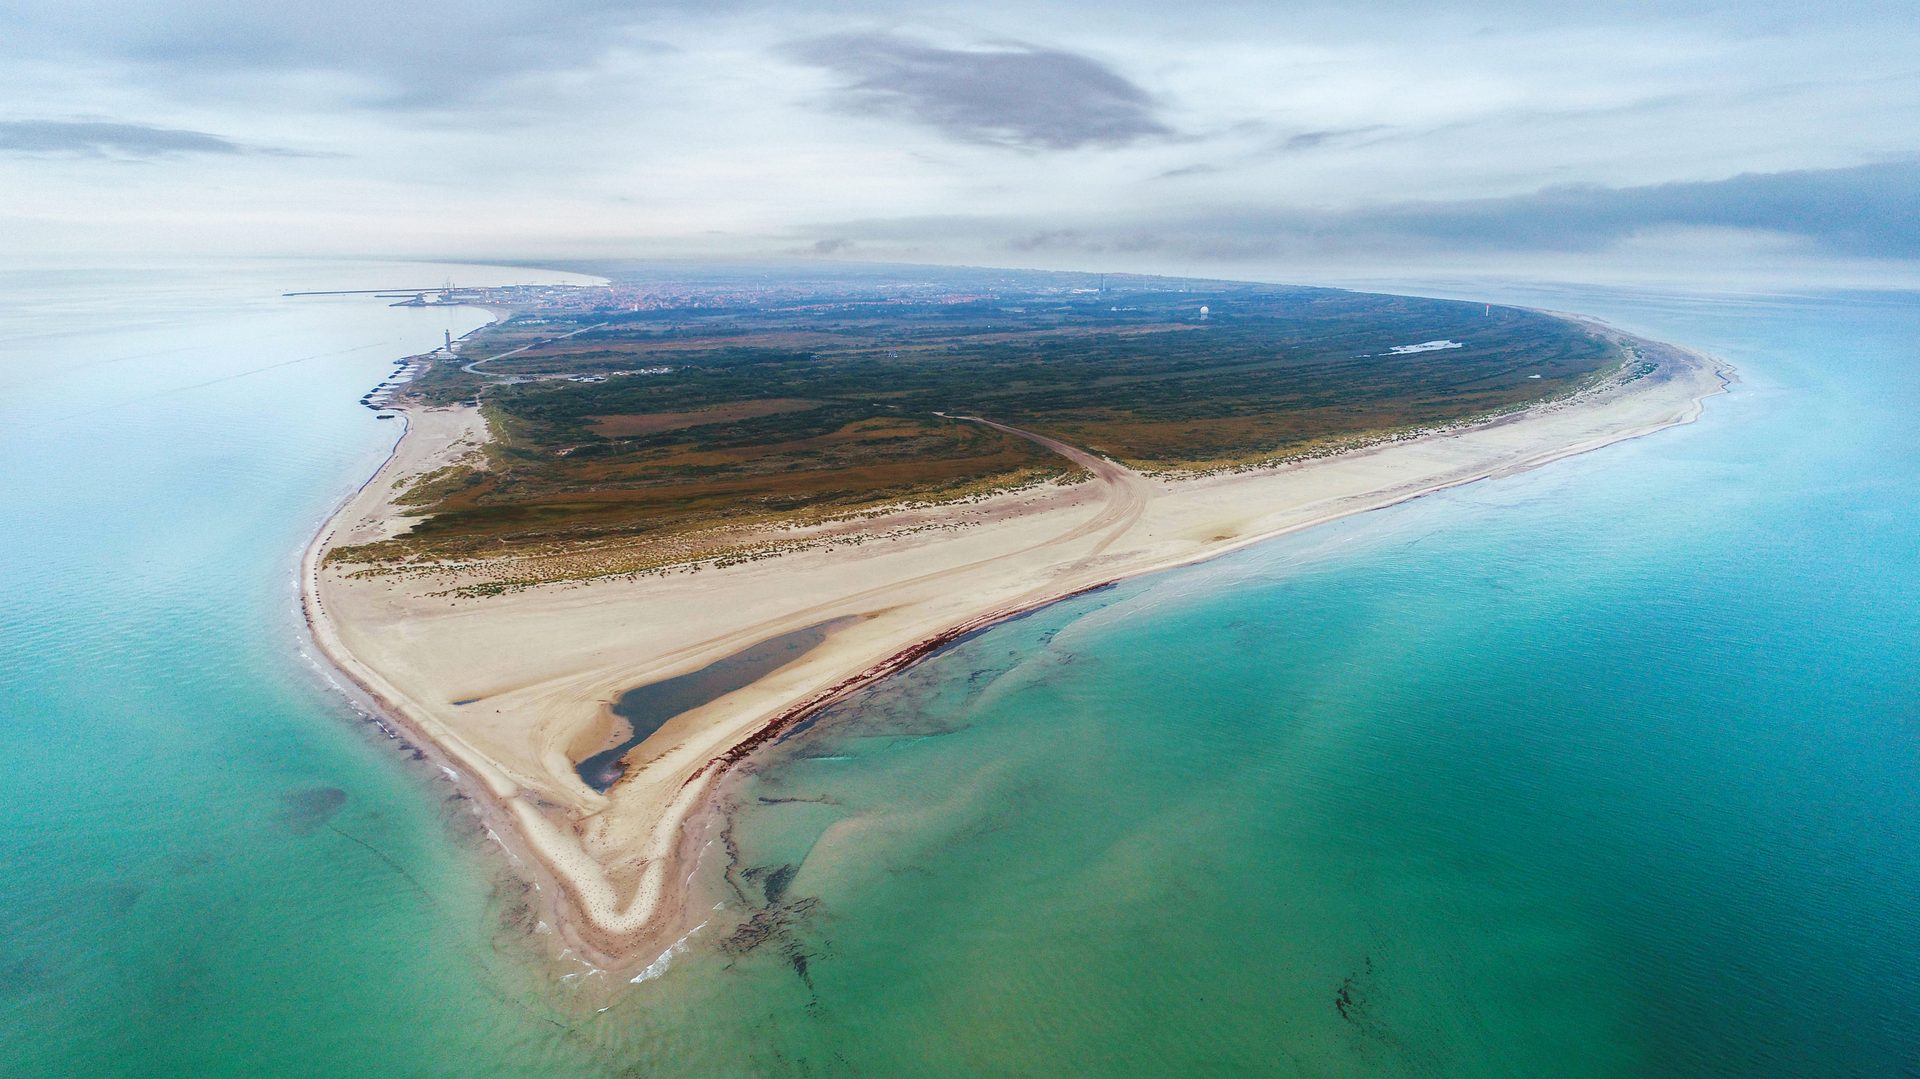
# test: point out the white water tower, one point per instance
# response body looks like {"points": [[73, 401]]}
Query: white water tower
{"points": [[1203, 312]]}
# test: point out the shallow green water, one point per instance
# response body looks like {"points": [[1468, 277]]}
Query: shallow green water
{"points": [[1608, 769], [1605, 770], [177, 900]]}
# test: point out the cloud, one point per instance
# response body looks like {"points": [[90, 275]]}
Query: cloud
{"points": [[400, 56], [1145, 135], [1298, 143], [1198, 169], [1052, 239], [1862, 211], [832, 245], [86, 138], [1016, 96], [1313, 140]]}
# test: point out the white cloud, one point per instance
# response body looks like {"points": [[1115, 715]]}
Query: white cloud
{"points": [[509, 127]]}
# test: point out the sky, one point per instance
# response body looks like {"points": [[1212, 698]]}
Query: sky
{"points": [[1275, 141]]}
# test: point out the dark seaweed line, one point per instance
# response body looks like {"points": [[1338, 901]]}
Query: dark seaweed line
{"points": [[892, 665]]}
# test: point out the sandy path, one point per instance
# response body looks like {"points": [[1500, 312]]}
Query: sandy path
{"points": [[1126, 490], [472, 367]]}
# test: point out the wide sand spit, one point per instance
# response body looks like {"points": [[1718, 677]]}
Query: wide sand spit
{"points": [[511, 690]]}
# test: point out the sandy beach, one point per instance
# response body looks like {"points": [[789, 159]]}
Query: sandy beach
{"points": [[515, 689]]}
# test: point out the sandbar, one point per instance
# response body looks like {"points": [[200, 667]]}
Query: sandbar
{"points": [[511, 691]]}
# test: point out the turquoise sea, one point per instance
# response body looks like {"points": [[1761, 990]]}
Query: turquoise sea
{"points": [[1612, 768]]}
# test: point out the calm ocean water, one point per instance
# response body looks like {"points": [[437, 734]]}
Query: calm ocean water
{"points": [[1608, 769], [182, 895]]}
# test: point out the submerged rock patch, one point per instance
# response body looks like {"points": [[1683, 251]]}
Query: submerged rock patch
{"points": [[308, 809]]}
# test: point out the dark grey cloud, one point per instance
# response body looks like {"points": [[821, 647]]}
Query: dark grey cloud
{"points": [[1007, 95], [1863, 211], [831, 245], [88, 138]]}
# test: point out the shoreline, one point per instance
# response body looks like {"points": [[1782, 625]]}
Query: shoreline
{"points": [[341, 672], [579, 895]]}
